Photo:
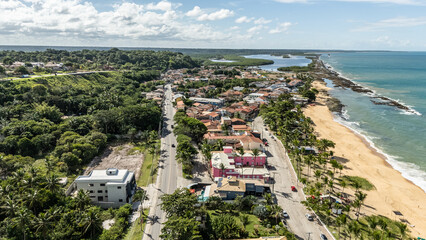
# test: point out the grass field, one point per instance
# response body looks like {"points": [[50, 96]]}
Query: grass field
{"points": [[148, 164]]}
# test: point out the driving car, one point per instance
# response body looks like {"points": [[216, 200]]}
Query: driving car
{"points": [[309, 217], [173, 145], [323, 237], [293, 188], [285, 214]]}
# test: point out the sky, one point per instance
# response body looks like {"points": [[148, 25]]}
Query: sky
{"points": [[275, 24]]}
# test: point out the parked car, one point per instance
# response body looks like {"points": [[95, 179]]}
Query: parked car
{"points": [[323, 237], [173, 126], [285, 214], [266, 143], [173, 145], [309, 217], [293, 188]]}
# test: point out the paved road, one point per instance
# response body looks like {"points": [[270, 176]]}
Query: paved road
{"points": [[285, 178], [167, 171]]}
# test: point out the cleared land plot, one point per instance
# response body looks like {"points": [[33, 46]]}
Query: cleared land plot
{"points": [[118, 157]]}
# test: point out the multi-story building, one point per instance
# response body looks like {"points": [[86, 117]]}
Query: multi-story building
{"points": [[108, 188], [229, 163]]}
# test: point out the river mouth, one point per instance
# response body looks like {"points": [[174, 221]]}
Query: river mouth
{"points": [[280, 61]]}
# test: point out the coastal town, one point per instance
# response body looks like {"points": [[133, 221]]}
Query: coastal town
{"points": [[231, 152]]}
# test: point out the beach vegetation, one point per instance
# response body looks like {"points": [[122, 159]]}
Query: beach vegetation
{"points": [[357, 183]]}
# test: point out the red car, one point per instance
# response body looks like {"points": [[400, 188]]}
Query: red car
{"points": [[293, 188]]}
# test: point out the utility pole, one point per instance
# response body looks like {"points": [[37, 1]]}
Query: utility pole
{"points": [[273, 182]]}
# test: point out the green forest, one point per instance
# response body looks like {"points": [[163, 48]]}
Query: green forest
{"points": [[52, 127], [96, 59]]}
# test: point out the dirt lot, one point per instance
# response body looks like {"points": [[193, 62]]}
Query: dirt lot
{"points": [[118, 157]]}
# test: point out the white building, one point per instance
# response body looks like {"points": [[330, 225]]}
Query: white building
{"points": [[108, 188]]}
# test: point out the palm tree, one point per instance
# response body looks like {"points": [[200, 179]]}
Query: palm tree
{"points": [[275, 211], [22, 221], [360, 197], [9, 206], [52, 183], [222, 168], [340, 220], [91, 222], [309, 160], [403, 229], [317, 174], [45, 221], [82, 199], [343, 184]]}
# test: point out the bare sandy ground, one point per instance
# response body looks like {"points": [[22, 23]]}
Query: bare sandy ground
{"points": [[118, 157], [393, 192]]}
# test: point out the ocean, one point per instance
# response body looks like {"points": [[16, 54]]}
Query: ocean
{"points": [[398, 134]]}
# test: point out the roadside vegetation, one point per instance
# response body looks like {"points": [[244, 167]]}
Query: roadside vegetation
{"points": [[245, 217], [189, 132], [320, 172]]}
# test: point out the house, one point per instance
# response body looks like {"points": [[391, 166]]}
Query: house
{"points": [[228, 163], [180, 105], [240, 129], [213, 101], [108, 188]]}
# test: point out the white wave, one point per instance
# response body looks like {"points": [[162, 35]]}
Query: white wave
{"points": [[410, 171]]}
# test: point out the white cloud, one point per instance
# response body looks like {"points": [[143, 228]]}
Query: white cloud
{"points": [[244, 19], [386, 40], [392, 23], [78, 19], [282, 27], [218, 15], [196, 11], [262, 21], [255, 29], [203, 15]]}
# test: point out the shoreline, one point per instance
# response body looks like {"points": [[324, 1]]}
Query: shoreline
{"points": [[325, 71], [393, 191]]}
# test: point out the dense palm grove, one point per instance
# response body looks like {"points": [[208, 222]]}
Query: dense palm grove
{"points": [[320, 174], [52, 127], [245, 217]]}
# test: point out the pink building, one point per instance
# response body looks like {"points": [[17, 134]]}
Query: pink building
{"points": [[229, 163]]}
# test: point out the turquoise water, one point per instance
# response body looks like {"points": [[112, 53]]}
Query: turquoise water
{"points": [[400, 135], [279, 61]]}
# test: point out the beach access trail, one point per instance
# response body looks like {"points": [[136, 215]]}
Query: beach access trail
{"points": [[393, 192]]}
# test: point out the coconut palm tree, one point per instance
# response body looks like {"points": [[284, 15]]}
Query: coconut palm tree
{"points": [[343, 184], [275, 211], [403, 229], [22, 221], [90, 222], [222, 168], [361, 198]]}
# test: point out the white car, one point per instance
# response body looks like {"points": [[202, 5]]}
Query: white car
{"points": [[309, 217], [285, 214]]}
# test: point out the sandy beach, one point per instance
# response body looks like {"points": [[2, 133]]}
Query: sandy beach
{"points": [[393, 192]]}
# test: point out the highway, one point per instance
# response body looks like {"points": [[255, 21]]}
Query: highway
{"points": [[167, 171], [285, 178]]}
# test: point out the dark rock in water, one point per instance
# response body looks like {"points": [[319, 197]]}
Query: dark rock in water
{"points": [[322, 71], [334, 105]]}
